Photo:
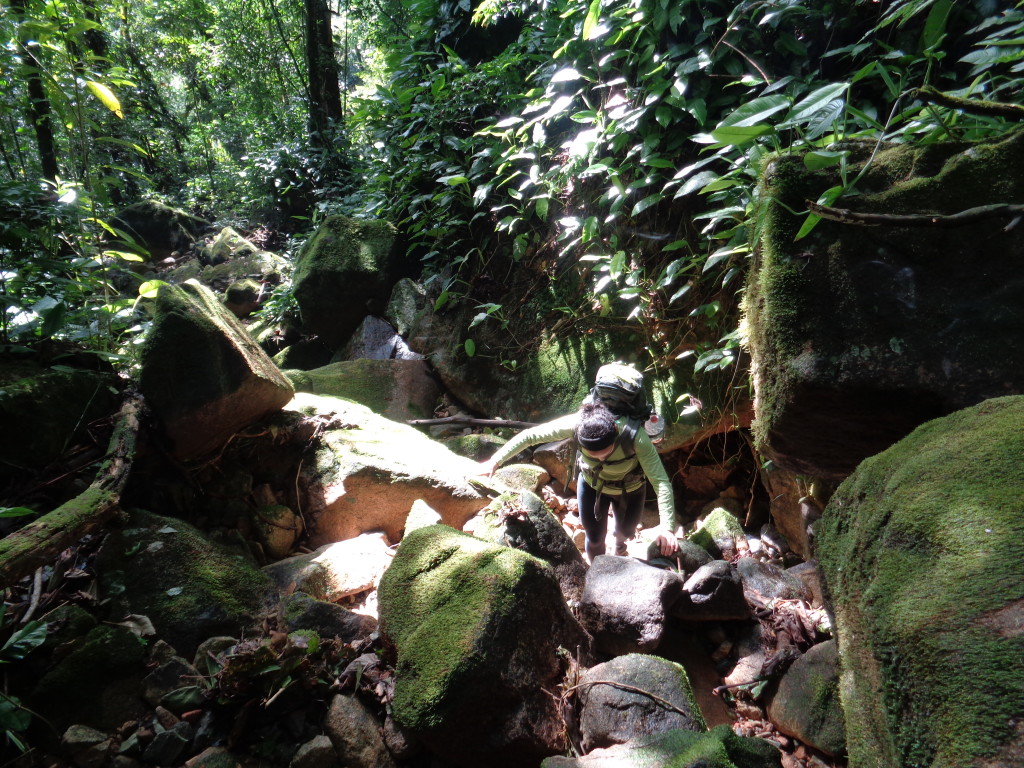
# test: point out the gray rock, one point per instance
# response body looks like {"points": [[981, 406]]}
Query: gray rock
{"points": [[336, 570], [624, 601], [768, 581], [318, 752], [402, 744], [634, 696], [719, 747], [713, 593], [806, 704], [356, 734], [167, 746], [326, 619]]}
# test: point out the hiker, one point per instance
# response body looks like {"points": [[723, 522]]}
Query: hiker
{"points": [[612, 475]]}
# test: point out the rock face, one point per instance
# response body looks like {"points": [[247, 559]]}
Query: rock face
{"points": [[615, 715], [859, 334], [477, 628], [922, 552], [202, 374], [398, 389], [345, 272]]}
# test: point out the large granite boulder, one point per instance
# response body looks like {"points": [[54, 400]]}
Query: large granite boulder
{"points": [[478, 631], [922, 551], [345, 272], [859, 334], [366, 472], [201, 373], [401, 390]]}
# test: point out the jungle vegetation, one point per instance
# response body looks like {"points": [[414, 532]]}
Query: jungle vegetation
{"points": [[616, 140]]}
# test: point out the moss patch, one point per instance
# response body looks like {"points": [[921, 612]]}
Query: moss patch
{"points": [[922, 548]]}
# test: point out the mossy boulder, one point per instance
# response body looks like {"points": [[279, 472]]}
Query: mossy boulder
{"points": [[400, 390], [478, 631], [858, 334], [806, 704], [523, 521], [44, 411], [345, 272], [202, 374], [718, 748], [922, 551], [189, 587], [158, 228]]}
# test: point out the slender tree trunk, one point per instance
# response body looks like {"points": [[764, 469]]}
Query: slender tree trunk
{"points": [[324, 90], [39, 112]]}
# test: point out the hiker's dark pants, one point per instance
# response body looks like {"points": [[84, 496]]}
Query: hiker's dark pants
{"points": [[627, 508]]}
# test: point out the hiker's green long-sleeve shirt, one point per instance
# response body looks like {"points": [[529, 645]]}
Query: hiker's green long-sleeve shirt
{"points": [[646, 456]]}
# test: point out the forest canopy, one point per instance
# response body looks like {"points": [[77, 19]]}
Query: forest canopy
{"points": [[620, 140]]}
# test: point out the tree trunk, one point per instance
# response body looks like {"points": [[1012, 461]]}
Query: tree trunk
{"points": [[322, 72], [38, 102]]}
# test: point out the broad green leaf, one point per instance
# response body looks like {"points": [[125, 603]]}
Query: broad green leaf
{"points": [[470, 347], [699, 181], [815, 161], [16, 511], [123, 255], [935, 24], [737, 136], [542, 208], [29, 637], [105, 95], [590, 24], [150, 288], [566, 75], [827, 197], [646, 203], [816, 101], [755, 111], [825, 118], [453, 181]]}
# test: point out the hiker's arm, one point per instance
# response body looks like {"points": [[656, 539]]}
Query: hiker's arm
{"points": [[651, 464], [559, 429]]}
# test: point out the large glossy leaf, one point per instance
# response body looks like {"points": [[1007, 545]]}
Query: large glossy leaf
{"points": [[737, 136], [755, 111]]}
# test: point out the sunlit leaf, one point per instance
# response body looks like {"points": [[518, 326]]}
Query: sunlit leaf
{"points": [[590, 24], [105, 95], [737, 136]]}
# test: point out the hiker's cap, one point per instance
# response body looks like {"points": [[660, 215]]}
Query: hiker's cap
{"points": [[598, 442]]}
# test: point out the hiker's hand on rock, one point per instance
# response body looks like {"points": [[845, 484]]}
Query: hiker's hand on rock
{"points": [[667, 544], [486, 468]]}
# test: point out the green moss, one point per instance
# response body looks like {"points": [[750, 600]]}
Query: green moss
{"points": [[442, 594], [718, 532], [922, 550]]}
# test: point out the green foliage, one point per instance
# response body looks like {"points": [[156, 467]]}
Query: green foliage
{"points": [[14, 717], [632, 148]]}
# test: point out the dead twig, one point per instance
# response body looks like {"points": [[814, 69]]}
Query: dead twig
{"points": [[471, 422], [633, 689]]}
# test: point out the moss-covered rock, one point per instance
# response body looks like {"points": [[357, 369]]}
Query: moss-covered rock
{"points": [[397, 389], [718, 533], [922, 550], [345, 272], [201, 372], [858, 334], [189, 588], [158, 228], [717, 748], [43, 411], [477, 630]]}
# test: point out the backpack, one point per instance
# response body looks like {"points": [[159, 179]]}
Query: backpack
{"points": [[621, 388]]}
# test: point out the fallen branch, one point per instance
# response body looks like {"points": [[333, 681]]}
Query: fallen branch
{"points": [[471, 422], [970, 216], [632, 689], [971, 106], [38, 542]]}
